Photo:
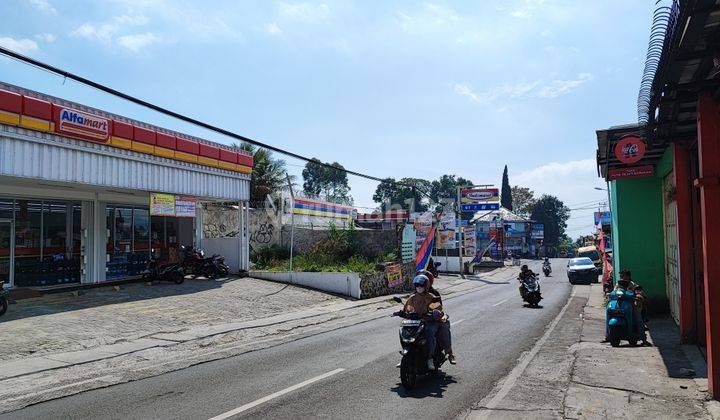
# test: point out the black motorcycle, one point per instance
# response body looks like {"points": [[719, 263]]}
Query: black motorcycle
{"points": [[173, 272], [546, 270], [3, 299], [414, 349], [214, 267], [530, 291]]}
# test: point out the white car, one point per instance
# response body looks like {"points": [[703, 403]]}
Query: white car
{"points": [[582, 270]]}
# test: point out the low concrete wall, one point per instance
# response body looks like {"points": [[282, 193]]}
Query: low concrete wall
{"points": [[347, 284], [376, 284]]}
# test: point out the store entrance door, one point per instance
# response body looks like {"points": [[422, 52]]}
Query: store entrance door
{"points": [[7, 251]]}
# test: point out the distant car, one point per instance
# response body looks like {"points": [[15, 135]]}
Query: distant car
{"points": [[582, 270]]}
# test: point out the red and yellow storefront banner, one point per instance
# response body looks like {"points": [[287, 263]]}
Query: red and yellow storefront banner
{"points": [[41, 115]]}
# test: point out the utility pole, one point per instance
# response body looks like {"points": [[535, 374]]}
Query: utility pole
{"points": [[459, 229], [292, 220]]}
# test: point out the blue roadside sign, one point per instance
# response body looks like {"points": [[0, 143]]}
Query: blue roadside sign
{"points": [[479, 207]]}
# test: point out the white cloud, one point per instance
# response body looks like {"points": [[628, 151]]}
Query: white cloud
{"points": [[561, 87], [136, 42], [526, 8], [43, 6], [273, 28], [572, 182], [113, 32], [305, 12], [524, 90], [22, 46], [46, 37]]}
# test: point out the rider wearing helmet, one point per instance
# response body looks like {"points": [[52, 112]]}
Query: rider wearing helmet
{"points": [[429, 307], [444, 336], [525, 272]]}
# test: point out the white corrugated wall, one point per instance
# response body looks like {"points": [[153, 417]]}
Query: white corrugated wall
{"points": [[32, 154]]}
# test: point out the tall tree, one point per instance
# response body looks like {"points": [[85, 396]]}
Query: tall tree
{"points": [[269, 174], [506, 193], [523, 200], [446, 186], [326, 183], [554, 214], [409, 196]]}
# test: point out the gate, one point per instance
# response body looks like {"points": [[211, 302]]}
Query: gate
{"points": [[672, 257]]}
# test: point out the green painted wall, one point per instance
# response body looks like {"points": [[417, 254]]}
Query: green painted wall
{"points": [[638, 235]]}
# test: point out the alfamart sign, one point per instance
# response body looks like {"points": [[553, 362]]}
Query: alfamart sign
{"points": [[82, 125]]}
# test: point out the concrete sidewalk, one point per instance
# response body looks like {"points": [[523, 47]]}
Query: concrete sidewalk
{"points": [[571, 374]]}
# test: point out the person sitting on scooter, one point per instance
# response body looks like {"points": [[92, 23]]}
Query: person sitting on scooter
{"points": [[626, 283], [525, 272], [421, 302], [444, 337]]}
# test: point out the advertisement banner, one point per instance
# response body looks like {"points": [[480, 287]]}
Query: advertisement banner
{"points": [[408, 243], [162, 204], [185, 206], [538, 231], [447, 221], [447, 239], [479, 207], [602, 216], [393, 273], [479, 195], [643, 171]]}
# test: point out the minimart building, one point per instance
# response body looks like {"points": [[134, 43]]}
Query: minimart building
{"points": [[85, 195]]}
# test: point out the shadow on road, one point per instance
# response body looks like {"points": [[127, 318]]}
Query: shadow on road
{"points": [[430, 386], [486, 281]]}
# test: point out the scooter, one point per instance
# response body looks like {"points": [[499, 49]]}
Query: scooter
{"points": [[414, 349], [3, 299], [531, 294], [621, 320], [546, 270], [173, 272]]}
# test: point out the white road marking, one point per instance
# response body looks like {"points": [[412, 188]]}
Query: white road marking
{"points": [[501, 302], [263, 400], [518, 370], [457, 322]]}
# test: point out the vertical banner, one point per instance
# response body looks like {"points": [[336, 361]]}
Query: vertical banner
{"points": [[425, 250]]}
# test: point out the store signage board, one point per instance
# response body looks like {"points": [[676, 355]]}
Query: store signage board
{"points": [[630, 149], [479, 207], [602, 216], [643, 171], [78, 124], [479, 195], [538, 231], [162, 204], [185, 206]]}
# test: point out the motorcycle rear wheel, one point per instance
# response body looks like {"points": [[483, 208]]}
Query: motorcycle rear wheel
{"points": [[3, 305], [408, 374], [177, 277]]}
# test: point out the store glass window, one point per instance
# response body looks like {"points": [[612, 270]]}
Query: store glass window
{"points": [[28, 243], [129, 234], [6, 212]]}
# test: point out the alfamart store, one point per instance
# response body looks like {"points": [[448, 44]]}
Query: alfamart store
{"points": [[85, 195]]}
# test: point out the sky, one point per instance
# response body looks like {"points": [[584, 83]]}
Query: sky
{"points": [[389, 88]]}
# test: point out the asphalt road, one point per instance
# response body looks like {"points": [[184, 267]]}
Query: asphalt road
{"points": [[346, 373]]}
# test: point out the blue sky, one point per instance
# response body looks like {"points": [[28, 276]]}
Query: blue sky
{"points": [[391, 88]]}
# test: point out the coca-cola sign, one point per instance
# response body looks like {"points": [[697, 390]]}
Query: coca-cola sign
{"points": [[630, 149]]}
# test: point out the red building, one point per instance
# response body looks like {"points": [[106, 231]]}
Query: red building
{"points": [[679, 116]]}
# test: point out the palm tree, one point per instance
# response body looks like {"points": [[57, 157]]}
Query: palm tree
{"points": [[269, 175]]}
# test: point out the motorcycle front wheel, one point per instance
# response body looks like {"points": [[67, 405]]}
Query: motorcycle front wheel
{"points": [[3, 305], [177, 277], [408, 374]]}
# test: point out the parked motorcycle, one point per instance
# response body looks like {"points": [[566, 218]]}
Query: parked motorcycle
{"points": [[214, 267], [3, 299], [414, 350], [194, 262], [433, 267], [621, 320], [173, 272], [531, 291]]}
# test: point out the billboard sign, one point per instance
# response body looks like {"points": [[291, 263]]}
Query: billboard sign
{"points": [[538, 231], [479, 195], [602, 217], [479, 207]]}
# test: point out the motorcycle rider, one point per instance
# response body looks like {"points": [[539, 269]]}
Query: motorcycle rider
{"points": [[444, 337], [525, 272], [421, 302]]}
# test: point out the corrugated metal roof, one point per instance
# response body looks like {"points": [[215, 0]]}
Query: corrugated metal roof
{"points": [[32, 154]]}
